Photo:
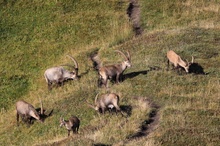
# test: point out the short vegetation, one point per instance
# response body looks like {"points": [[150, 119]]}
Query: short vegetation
{"points": [[160, 106]]}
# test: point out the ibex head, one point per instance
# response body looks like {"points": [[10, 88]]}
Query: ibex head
{"points": [[127, 61], [42, 113], [186, 64], [74, 73], [62, 122]]}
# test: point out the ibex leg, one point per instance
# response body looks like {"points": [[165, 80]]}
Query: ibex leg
{"points": [[168, 65], [17, 119]]}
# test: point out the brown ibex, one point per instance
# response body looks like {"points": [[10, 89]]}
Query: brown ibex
{"points": [[27, 111], [58, 74], [115, 70], [71, 125], [106, 101], [177, 61]]}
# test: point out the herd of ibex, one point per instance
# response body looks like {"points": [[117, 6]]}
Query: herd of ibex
{"points": [[58, 75]]}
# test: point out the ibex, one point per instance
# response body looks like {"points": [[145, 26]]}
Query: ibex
{"points": [[58, 74], [115, 70], [177, 61], [106, 101], [27, 111], [71, 125]]}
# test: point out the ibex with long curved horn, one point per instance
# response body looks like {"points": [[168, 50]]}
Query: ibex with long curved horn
{"points": [[115, 70], [177, 61], [58, 74], [71, 125], [106, 101], [27, 111]]}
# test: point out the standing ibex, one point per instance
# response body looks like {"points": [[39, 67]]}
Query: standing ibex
{"points": [[71, 125], [59, 74], [177, 61], [27, 111], [115, 70], [106, 101]]}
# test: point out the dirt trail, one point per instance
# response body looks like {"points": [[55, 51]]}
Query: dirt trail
{"points": [[148, 125]]}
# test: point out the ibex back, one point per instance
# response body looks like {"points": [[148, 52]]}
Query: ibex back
{"points": [[106, 101]]}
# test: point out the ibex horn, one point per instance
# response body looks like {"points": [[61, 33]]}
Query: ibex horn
{"points": [[126, 58], [90, 105], [75, 62], [96, 98], [41, 109]]}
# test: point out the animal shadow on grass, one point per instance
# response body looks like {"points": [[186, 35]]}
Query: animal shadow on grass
{"points": [[196, 69], [43, 116], [126, 109], [144, 72]]}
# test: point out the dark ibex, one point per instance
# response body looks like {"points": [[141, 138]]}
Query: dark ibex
{"points": [[115, 70], [27, 111], [106, 101], [177, 61], [71, 125], [58, 74]]}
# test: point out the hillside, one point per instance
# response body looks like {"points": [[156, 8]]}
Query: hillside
{"points": [[162, 107]]}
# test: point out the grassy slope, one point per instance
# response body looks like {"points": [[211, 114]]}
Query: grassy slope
{"points": [[189, 112]]}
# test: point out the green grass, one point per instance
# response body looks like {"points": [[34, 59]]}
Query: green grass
{"points": [[36, 35]]}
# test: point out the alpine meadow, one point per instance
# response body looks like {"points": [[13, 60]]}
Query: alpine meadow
{"points": [[153, 104]]}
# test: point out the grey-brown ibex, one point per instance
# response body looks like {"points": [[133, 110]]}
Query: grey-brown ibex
{"points": [[114, 70], [27, 112], [106, 101], [177, 61], [58, 74], [71, 125]]}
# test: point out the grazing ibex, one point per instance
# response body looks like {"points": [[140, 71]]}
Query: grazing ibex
{"points": [[58, 74], [71, 125], [106, 101], [27, 111], [177, 61], [115, 70]]}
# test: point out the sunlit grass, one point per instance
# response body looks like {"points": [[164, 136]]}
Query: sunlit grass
{"points": [[39, 34]]}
